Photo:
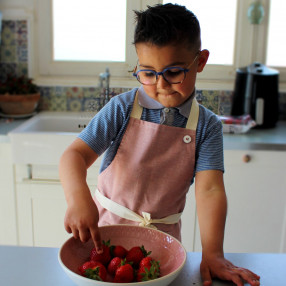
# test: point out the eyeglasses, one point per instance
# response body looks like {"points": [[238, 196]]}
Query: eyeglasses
{"points": [[172, 75]]}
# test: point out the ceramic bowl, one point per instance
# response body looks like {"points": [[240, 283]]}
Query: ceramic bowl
{"points": [[165, 248]]}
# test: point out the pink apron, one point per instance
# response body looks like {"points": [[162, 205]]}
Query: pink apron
{"points": [[147, 181]]}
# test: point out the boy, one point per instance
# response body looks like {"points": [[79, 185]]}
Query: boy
{"points": [[156, 139]]}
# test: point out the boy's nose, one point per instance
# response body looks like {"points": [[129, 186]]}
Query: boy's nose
{"points": [[161, 82]]}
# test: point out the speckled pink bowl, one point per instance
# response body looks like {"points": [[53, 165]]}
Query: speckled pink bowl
{"points": [[165, 248]]}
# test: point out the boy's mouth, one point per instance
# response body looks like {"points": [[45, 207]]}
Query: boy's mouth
{"points": [[167, 94]]}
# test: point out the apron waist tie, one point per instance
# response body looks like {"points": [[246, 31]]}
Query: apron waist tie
{"points": [[145, 220]]}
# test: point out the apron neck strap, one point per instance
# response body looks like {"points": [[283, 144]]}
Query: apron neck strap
{"points": [[192, 120], [137, 109], [194, 116]]}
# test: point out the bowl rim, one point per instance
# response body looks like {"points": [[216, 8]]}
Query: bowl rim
{"points": [[104, 283]]}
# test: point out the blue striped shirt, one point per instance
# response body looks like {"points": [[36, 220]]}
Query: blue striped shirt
{"points": [[105, 131]]}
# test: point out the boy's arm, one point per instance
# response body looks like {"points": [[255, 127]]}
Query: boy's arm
{"points": [[82, 215], [211, 209]]}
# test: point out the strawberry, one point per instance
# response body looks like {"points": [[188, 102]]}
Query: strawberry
{"points": [[94, 270], [124, 273], [136, 254], [118, 251], [149, 269], [103, 257], [86, 265], [146, 262], [113, 265]]}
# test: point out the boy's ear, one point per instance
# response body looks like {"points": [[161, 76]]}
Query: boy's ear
{"points": [[203, 58]]}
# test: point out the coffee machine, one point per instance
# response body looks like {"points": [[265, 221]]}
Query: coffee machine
{"points": [[256, 94]]}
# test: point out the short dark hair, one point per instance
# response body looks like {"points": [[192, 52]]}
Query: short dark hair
{"points": [[167, 24]]}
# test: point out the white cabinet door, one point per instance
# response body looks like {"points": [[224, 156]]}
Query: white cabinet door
{"points": [[189, 221], [41, 204], [41, 209], [256, 191], [8, 227]]}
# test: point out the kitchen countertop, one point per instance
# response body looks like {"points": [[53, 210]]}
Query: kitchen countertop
{"points": [[255, 139], [7, 125], [258, 139], [39, 266]]}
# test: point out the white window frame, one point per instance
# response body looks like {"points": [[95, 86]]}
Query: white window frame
{"points": [[50, 72], [250, 46]]}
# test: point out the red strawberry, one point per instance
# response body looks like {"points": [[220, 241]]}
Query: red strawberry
{"points": [[113, 265], [136, 254], [103, 257], [95, 270], [146, 262], [118, 251], [86, 265], [124, 273], [149, 270]]}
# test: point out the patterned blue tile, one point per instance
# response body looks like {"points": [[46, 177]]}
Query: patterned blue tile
{"points": [[74, 104], [21, 33], [6, 69], [22, 54], [45, 92], [91, 92], [8, 54], [92, 104], [8, 36]]}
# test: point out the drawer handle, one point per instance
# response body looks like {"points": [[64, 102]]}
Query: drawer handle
{"points": [[246, 158], [39, 180]]}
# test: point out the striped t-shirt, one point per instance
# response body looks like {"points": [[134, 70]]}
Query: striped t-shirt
{"points": [[105, 131]]}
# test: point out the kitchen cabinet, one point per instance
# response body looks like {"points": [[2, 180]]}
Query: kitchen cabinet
{"points": [[255, 183], [8, 223], [256, 191], [41, 204]]}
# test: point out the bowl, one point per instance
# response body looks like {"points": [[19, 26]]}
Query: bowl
{"points": [[165, 248]]}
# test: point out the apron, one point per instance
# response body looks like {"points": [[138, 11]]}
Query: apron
{"points": [[148, 179]]}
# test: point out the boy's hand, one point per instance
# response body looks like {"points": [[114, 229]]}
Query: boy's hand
{"points": [[219, 267], [81, 220]]}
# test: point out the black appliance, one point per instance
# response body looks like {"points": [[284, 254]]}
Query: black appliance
{"points": [[256, 93]]}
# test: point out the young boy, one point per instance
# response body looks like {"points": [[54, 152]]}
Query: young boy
{"points": [[156, 139]]}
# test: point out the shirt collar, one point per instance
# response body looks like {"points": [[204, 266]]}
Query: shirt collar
{"points": [[150, 103]]}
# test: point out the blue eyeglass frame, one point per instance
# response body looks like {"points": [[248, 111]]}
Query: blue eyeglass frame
{"points": [[135, 73], [162, 73]]}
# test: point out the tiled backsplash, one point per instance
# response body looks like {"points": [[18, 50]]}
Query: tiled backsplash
{"points": [[14, 60]]}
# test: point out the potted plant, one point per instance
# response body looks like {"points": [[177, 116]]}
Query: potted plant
{"points": [[18, 95]]}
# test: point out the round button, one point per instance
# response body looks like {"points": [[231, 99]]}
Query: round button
{"points": [[166, 109], [187, 139]]}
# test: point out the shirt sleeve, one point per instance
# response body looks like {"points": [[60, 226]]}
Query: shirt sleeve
{"points": [[106, 125], [209, 149]]}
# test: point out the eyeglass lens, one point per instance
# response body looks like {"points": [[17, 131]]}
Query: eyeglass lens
{"points": [[171, 75]]}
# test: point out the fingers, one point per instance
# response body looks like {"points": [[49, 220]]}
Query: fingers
{"points": [[225, 270], [75, 233], [206, 276], [68, 229], [84, 234], [95, 235], [248, 276]]}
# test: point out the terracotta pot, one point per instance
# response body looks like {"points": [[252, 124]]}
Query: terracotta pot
{"points": [[19, 104]]}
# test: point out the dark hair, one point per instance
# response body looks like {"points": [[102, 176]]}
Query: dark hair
{"points": [[167, 24]]}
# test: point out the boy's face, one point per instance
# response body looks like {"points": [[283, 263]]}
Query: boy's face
{"points": [[158, 58]]}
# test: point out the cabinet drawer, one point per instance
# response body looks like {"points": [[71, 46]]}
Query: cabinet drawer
{"points": [[250, 157], [50, 173]]}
